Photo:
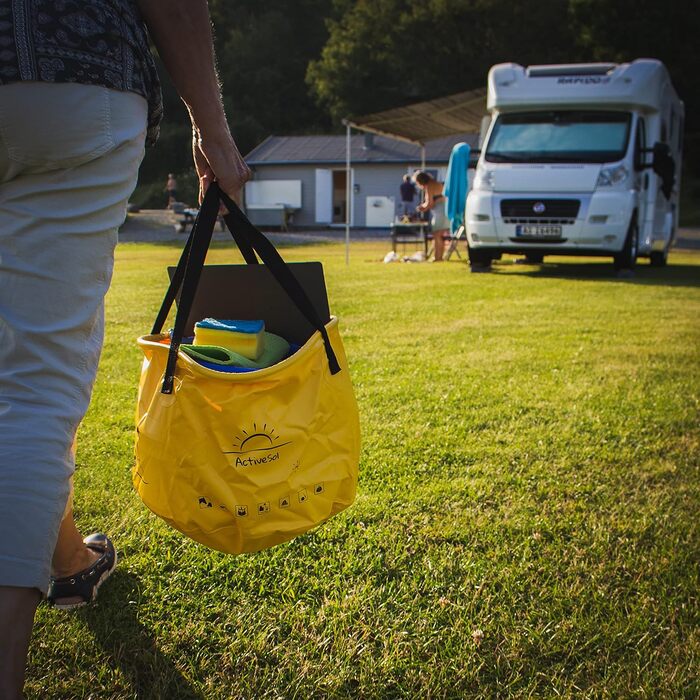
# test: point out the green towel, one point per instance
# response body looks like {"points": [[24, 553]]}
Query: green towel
{"points": [[275, 349]]}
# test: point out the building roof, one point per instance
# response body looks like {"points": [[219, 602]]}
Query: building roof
{"points": [[284, 150]]}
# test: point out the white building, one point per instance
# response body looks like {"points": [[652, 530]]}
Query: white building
{"points": [[307, 174]]}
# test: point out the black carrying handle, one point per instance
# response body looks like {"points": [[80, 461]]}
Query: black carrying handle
{"points": [[240, 227], [250, 241], [179, 274]]}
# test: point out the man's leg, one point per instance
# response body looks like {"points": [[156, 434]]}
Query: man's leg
{"points": [[17, 608], [59, 213]]}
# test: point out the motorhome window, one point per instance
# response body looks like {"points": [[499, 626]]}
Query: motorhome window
{"points": [[559, 137]]}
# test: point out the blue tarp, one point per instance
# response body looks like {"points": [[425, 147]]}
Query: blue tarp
{"points": [[456, 183]]}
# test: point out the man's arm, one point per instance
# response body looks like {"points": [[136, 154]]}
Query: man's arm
{"points": [[181, 31]]}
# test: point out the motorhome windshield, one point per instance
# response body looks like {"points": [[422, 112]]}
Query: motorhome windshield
{"points": [[559, 137]]}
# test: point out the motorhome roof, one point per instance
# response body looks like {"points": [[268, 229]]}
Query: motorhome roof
{"points": [[639, 84]]}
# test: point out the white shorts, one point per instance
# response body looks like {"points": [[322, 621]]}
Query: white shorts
{"points": [[69, 158], [438, 219]]}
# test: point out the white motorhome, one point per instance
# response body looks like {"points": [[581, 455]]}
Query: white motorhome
{"points": [[578, 160]]}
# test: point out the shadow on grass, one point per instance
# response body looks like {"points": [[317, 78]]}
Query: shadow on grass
{"points": [[643, 274], [221, 244], [131, 646]]}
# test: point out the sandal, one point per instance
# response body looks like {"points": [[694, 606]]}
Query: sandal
{"points": [[85, 583]]}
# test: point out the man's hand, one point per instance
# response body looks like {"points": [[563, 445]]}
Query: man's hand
{"points": [[218, 159]]}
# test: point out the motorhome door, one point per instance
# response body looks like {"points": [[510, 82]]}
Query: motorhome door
{"points": [[642, 182]]}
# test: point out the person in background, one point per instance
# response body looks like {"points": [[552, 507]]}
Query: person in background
{"points": [[80, 96], [408, 194], [171, 189], [434, 202]]}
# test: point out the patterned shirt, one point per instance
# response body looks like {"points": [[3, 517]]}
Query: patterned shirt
{"points": [[93, 42]]}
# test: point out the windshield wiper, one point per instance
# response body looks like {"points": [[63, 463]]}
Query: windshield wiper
{"points": [[542, 158], [507, 158]]}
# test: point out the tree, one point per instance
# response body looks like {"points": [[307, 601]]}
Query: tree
{"points": [[263, 50], [301, 67], [385, 53], [622, 30]]}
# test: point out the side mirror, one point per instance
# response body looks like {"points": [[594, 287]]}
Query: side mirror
{"points": [[664, 166]]}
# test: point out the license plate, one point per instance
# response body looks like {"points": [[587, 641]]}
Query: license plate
{"points": [[538, 231]]}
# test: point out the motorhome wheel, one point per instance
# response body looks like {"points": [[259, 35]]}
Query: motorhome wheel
{"points": [[479, 260], [659, 258]]}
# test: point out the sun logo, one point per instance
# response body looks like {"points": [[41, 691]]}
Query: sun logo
{"points": [[258, 440]]}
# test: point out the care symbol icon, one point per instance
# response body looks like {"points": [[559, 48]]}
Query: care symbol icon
{"points": [[263, 508], [303, 496], [241, 511], [319, 488], [284, 502]]}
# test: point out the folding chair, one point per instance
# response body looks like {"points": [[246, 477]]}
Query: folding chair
{"points": [[454, 242], [417, 232]]}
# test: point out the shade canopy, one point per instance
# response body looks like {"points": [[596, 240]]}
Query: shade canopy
{"points": [[424, 121], [416, 123]]}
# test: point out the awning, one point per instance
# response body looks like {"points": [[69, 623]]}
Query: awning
{"points": [[417, 123], [421, 122]]}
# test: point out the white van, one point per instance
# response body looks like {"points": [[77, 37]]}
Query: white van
{"points": [[578, 160]]}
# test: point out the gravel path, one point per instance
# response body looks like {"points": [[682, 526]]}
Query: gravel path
{"points": [[158, 225]]}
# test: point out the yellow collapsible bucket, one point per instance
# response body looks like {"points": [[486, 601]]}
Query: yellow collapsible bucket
{"points": [[242, 462]]}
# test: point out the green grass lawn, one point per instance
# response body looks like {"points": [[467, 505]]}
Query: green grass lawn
{"points": [[527, 521]]}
